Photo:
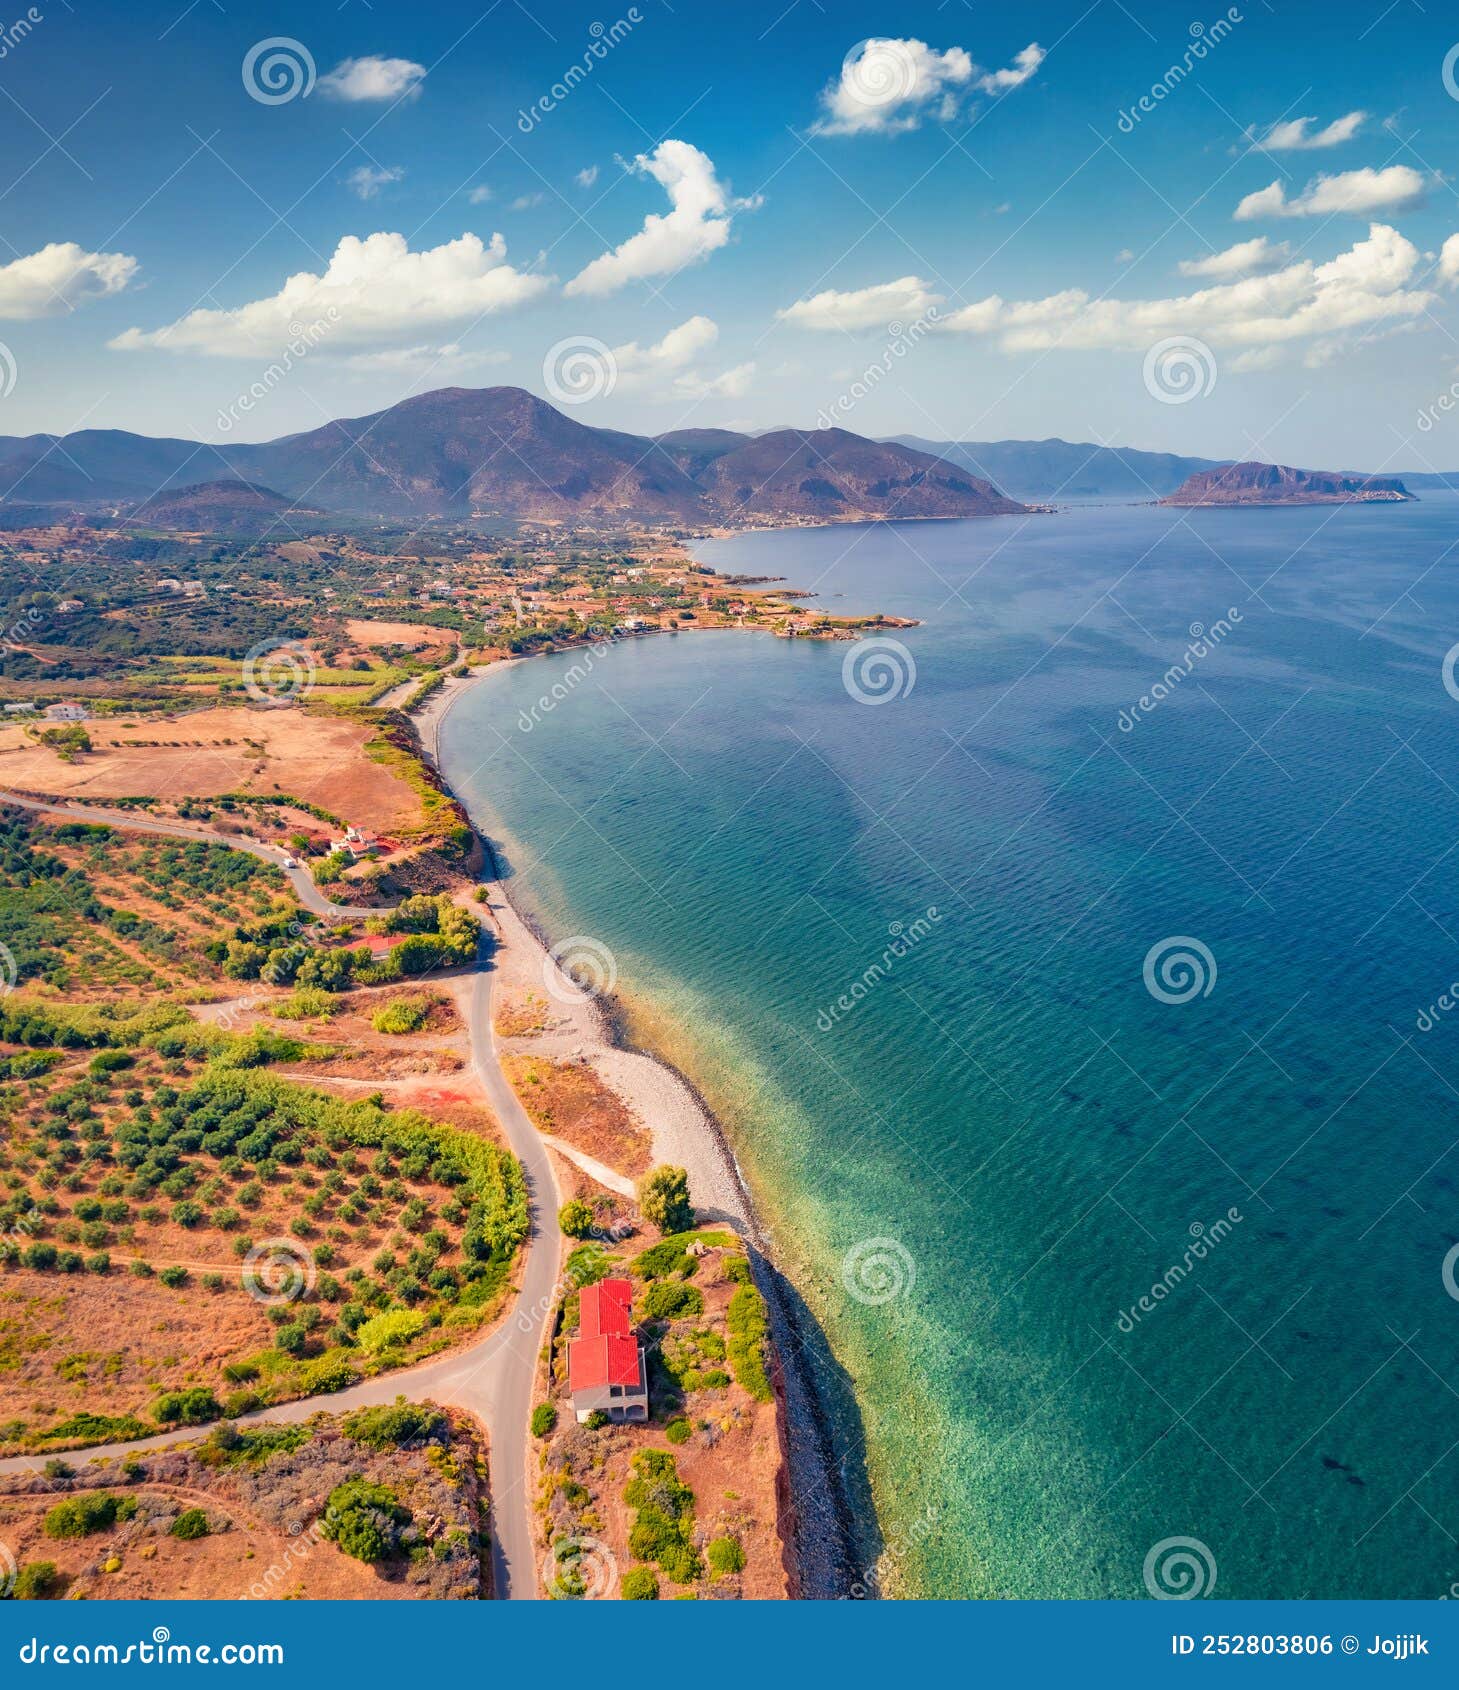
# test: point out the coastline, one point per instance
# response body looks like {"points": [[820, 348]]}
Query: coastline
{"points": [[829, 1533]]}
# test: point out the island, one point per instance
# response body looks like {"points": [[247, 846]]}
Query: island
{"points": [[1277, 484]]}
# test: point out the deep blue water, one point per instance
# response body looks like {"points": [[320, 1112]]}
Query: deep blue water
{"points": [[1028, 1137]]}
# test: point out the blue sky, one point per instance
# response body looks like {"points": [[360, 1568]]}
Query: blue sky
{"points": [[949, 233]]}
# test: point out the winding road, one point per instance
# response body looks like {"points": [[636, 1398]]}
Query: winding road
{"points": [[492, 1378]]}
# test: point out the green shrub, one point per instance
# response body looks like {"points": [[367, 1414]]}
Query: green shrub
{"points": [[307, 1003], [663, 1525], [669, 1300], [193, 1523], [364, 1520], [384, 1331], [663, 1199], [544, 1420], [596, 1420], [195, 1407], [174, 1277], [394, 1424], [37, 1581], [736, 1268], [333, 1371], [402, 1015], [678, 1431], [576, 1219], [747, 1329], [639, 1585], [726, 1556], [79, 1516]]}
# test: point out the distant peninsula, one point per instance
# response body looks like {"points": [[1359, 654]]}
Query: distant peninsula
{"points": [[1276, 484]]}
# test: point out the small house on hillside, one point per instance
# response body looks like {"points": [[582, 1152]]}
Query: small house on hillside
{"points": [[605, 1363]]}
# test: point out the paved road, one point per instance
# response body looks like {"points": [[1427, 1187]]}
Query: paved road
{"points": [[491, 1379], [301, 880]]}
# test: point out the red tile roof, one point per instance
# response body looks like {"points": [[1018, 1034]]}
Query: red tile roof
{"points": [[605, 1309], [595, 1362]]}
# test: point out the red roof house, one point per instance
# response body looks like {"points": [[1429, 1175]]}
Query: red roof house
{"points": [[605, 1365]]}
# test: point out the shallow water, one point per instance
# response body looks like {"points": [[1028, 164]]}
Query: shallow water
{"points": [[1000, 1139]]}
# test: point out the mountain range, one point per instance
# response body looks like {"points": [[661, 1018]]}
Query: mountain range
{"points": [[500, 451]]}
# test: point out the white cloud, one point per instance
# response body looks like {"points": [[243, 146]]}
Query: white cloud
{"points": [[373, 78], [1359, 193], [525, 202], [60, 277], [374, 291], [698, 224], [1246, 258], [864, 308], [1124, 256], [586, 176], [424, 360], [1449, 261], [1366, 285], [889, 85], [367, 180], [479, 195], [1298, 136], [730, 384], [673, 358]]}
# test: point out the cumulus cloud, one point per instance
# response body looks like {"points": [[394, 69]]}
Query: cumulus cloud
{"points": [[479, 195], [1298, 136], [525, 202], [698, 224], [668, 364], [368, 180], [586, 176], [373, 78], [1246, 258], [889, 85], [1449, 261], [1359, 193], [374, 291], [1364, 286], [863, 308], [423, 360], [60, 277]]}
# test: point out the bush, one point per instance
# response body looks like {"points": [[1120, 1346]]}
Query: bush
{"points": [[596, 1420], [576, 1219], [669, 1300], [639, 1585], [384, 1331], [79, 1516], [736, 1268], [726, 1556], [37, 1581], [193, 1523], [745, 1318], [402, 1015], [678, 1431], [663, 1199], [544, 1420], [663, 1525], [364, 1520], [195, 1407], [394, 1424], [333, 1371], [174, 1277]]}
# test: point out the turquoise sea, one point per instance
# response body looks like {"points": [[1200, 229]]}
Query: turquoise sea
{"points": [[903, 949]]}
